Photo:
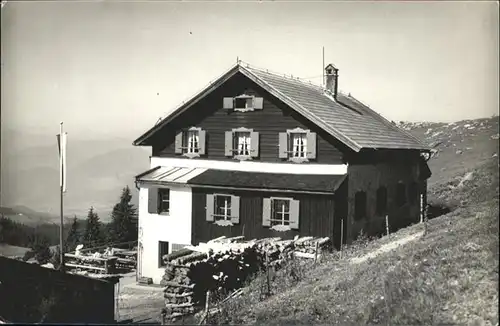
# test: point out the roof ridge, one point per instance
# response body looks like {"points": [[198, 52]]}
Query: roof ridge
{"points": [[281, 75]]}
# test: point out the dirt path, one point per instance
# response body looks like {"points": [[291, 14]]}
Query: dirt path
{"points": [[139, 303], [386, 248]]}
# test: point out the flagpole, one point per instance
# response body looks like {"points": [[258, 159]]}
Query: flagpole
{"points": [[62, 152]]}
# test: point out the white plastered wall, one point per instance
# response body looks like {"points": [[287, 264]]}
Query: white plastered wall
{"points": [[173, 228]]}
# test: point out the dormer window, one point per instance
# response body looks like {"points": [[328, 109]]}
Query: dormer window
{"points": [[243, 103], [190, 142], [297, 145]]}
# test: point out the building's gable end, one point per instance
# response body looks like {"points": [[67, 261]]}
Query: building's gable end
{"points": [[212, 116]]}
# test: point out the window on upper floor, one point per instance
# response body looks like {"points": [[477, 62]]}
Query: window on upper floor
{"points": [[191, 142], [297, 145], [281, 214], [242, 143], [243, 103], [223, 209], [381, 200]]}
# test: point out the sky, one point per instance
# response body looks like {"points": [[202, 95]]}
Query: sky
{"points": [[113, 68]]}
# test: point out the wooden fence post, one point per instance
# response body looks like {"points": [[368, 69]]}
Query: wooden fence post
{"points": [[422, 208], [207, 306], [268, 274], [425, 221], [341, 236], [387, 224], [316, 252]]}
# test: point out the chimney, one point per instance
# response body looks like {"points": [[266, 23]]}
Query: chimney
{"points": [[332, 79]]}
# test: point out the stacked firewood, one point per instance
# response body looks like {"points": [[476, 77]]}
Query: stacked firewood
{"points": [[223, 265]]}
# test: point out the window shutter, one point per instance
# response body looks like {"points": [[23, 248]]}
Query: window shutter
{"points": [[228, 103], [283, 145], [258, 103], [203, 141], [229, 143], [311, 145], [266, 212], [178, 143], [210, 208], [153, 200], [254, 144], [235, 209], [294, 214]]}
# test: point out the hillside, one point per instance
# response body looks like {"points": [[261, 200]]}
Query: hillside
{"points": [[447, 276]]}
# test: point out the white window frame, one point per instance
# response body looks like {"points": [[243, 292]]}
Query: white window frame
{"points": [[292, 147], [236, 143], [227, 208], [193, 141], [298, 145], [243, 140], [282, 221]]}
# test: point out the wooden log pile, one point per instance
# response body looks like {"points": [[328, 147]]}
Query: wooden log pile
{"points": [[223, 265]]}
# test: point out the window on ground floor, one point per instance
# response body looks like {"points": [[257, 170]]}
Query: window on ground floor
{"points": [[222, 209], [400, 194], [381, 200], [360, 205], [280, 213], [162, 251], [413, 193]]}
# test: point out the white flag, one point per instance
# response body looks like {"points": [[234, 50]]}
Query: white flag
{"points": [[62, 142]]}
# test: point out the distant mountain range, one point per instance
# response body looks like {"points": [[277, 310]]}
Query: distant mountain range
{"points": [[97, 170]]}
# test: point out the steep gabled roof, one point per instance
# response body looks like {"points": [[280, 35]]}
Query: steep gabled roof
{"points": [[345, 118]]}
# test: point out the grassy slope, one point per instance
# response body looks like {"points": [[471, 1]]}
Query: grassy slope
{"points": [[450, 275]]}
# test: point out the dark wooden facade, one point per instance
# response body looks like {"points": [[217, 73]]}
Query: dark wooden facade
{"points": [[318, 215], [275, 117], [368, 172]]}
